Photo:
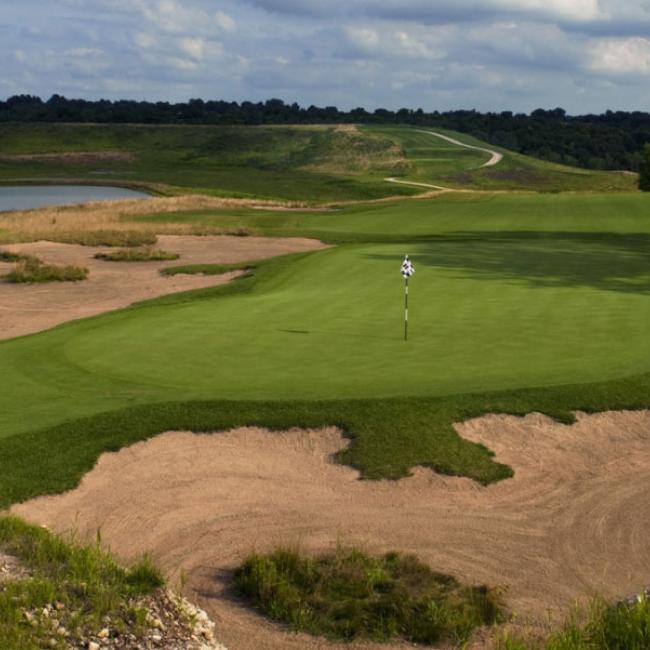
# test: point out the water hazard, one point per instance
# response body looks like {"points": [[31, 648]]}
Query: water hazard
{"points": [[28, 197]]}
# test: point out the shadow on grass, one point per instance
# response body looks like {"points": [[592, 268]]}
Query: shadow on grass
{"points": [[604, 261]]}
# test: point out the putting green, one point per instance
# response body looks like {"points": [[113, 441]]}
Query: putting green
{"points": [[487, 313]]}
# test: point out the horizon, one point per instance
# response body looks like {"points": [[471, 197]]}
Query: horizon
{"points": [[305, 107]]}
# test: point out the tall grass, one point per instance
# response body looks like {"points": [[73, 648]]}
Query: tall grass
{"points": [[622, 626], [109, 222], [31, 270], [81, 581], [138, 255], [349, 595]]}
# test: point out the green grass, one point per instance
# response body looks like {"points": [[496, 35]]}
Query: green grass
{"points": [[208, 269], [146, 255], [349, 595], [84, 580], [459, 215]]}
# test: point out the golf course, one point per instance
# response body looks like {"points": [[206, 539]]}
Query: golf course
{"points": [[531, 295]]}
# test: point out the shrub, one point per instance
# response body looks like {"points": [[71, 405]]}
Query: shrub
{"points": [[349, 595]]}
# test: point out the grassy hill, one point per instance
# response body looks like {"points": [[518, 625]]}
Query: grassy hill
{"points": [[308, 163]]}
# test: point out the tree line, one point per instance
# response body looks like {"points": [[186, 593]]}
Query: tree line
{"points": [[611, 140]]}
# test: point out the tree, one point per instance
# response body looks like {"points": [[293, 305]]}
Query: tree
{"points": [[644, 170]]}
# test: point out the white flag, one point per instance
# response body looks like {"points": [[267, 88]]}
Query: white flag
{"points": [[407, 269]]}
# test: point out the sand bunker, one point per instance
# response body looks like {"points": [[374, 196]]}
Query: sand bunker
{"points": [[574, 521], [25, 309]]}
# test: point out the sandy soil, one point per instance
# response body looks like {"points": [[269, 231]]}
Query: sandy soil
{"points": [[574, 521], [25, 309]]}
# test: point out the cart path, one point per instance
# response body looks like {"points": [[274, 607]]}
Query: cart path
{"points": [[496, 156], [494, 160]]}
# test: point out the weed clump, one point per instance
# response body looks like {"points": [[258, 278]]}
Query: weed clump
{"points": [[349, 595], [6, 256], [135, 255], [83, 581], [31, 270]]}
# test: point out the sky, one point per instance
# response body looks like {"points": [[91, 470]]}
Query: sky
{"points": [[583, 55]]}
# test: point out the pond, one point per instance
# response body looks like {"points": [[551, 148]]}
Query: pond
{"points": [[28, 197]]}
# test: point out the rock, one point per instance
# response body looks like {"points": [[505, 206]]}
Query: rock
{"points": [[103, 633], [92, 645]]}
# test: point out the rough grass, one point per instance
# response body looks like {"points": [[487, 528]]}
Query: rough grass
{"points": [[30, 270], [143, 255], [208, 269], [349, 595], [82, 582], [315, 164], [623, 626]]}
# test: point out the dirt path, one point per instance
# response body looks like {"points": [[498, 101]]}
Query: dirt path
{"points": [[573, 521], [25, 309], [494, 160]]}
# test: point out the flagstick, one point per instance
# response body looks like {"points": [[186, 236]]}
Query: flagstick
{"points": [[406, 308]]}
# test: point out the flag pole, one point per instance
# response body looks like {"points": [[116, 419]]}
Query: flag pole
{"points": [[407, 271], [406, 308]]}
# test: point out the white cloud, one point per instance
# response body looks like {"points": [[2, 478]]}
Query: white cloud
{"points": [[144, 40], [83, 52], [389, 43], [193, 46], [363, 37], [225, 21], [625, 56]]}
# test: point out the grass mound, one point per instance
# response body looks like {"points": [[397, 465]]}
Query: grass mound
{"points": [[82, 582], [350, 595], [625, 626], [144, 255], [114, 238], [32, 270], [208, 269]]}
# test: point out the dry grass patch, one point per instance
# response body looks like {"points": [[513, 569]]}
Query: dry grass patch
{"points": [[72, 224], [141, 255]]}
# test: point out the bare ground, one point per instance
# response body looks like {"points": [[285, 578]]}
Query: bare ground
{"points": [[25, 309], [573, 522]]}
